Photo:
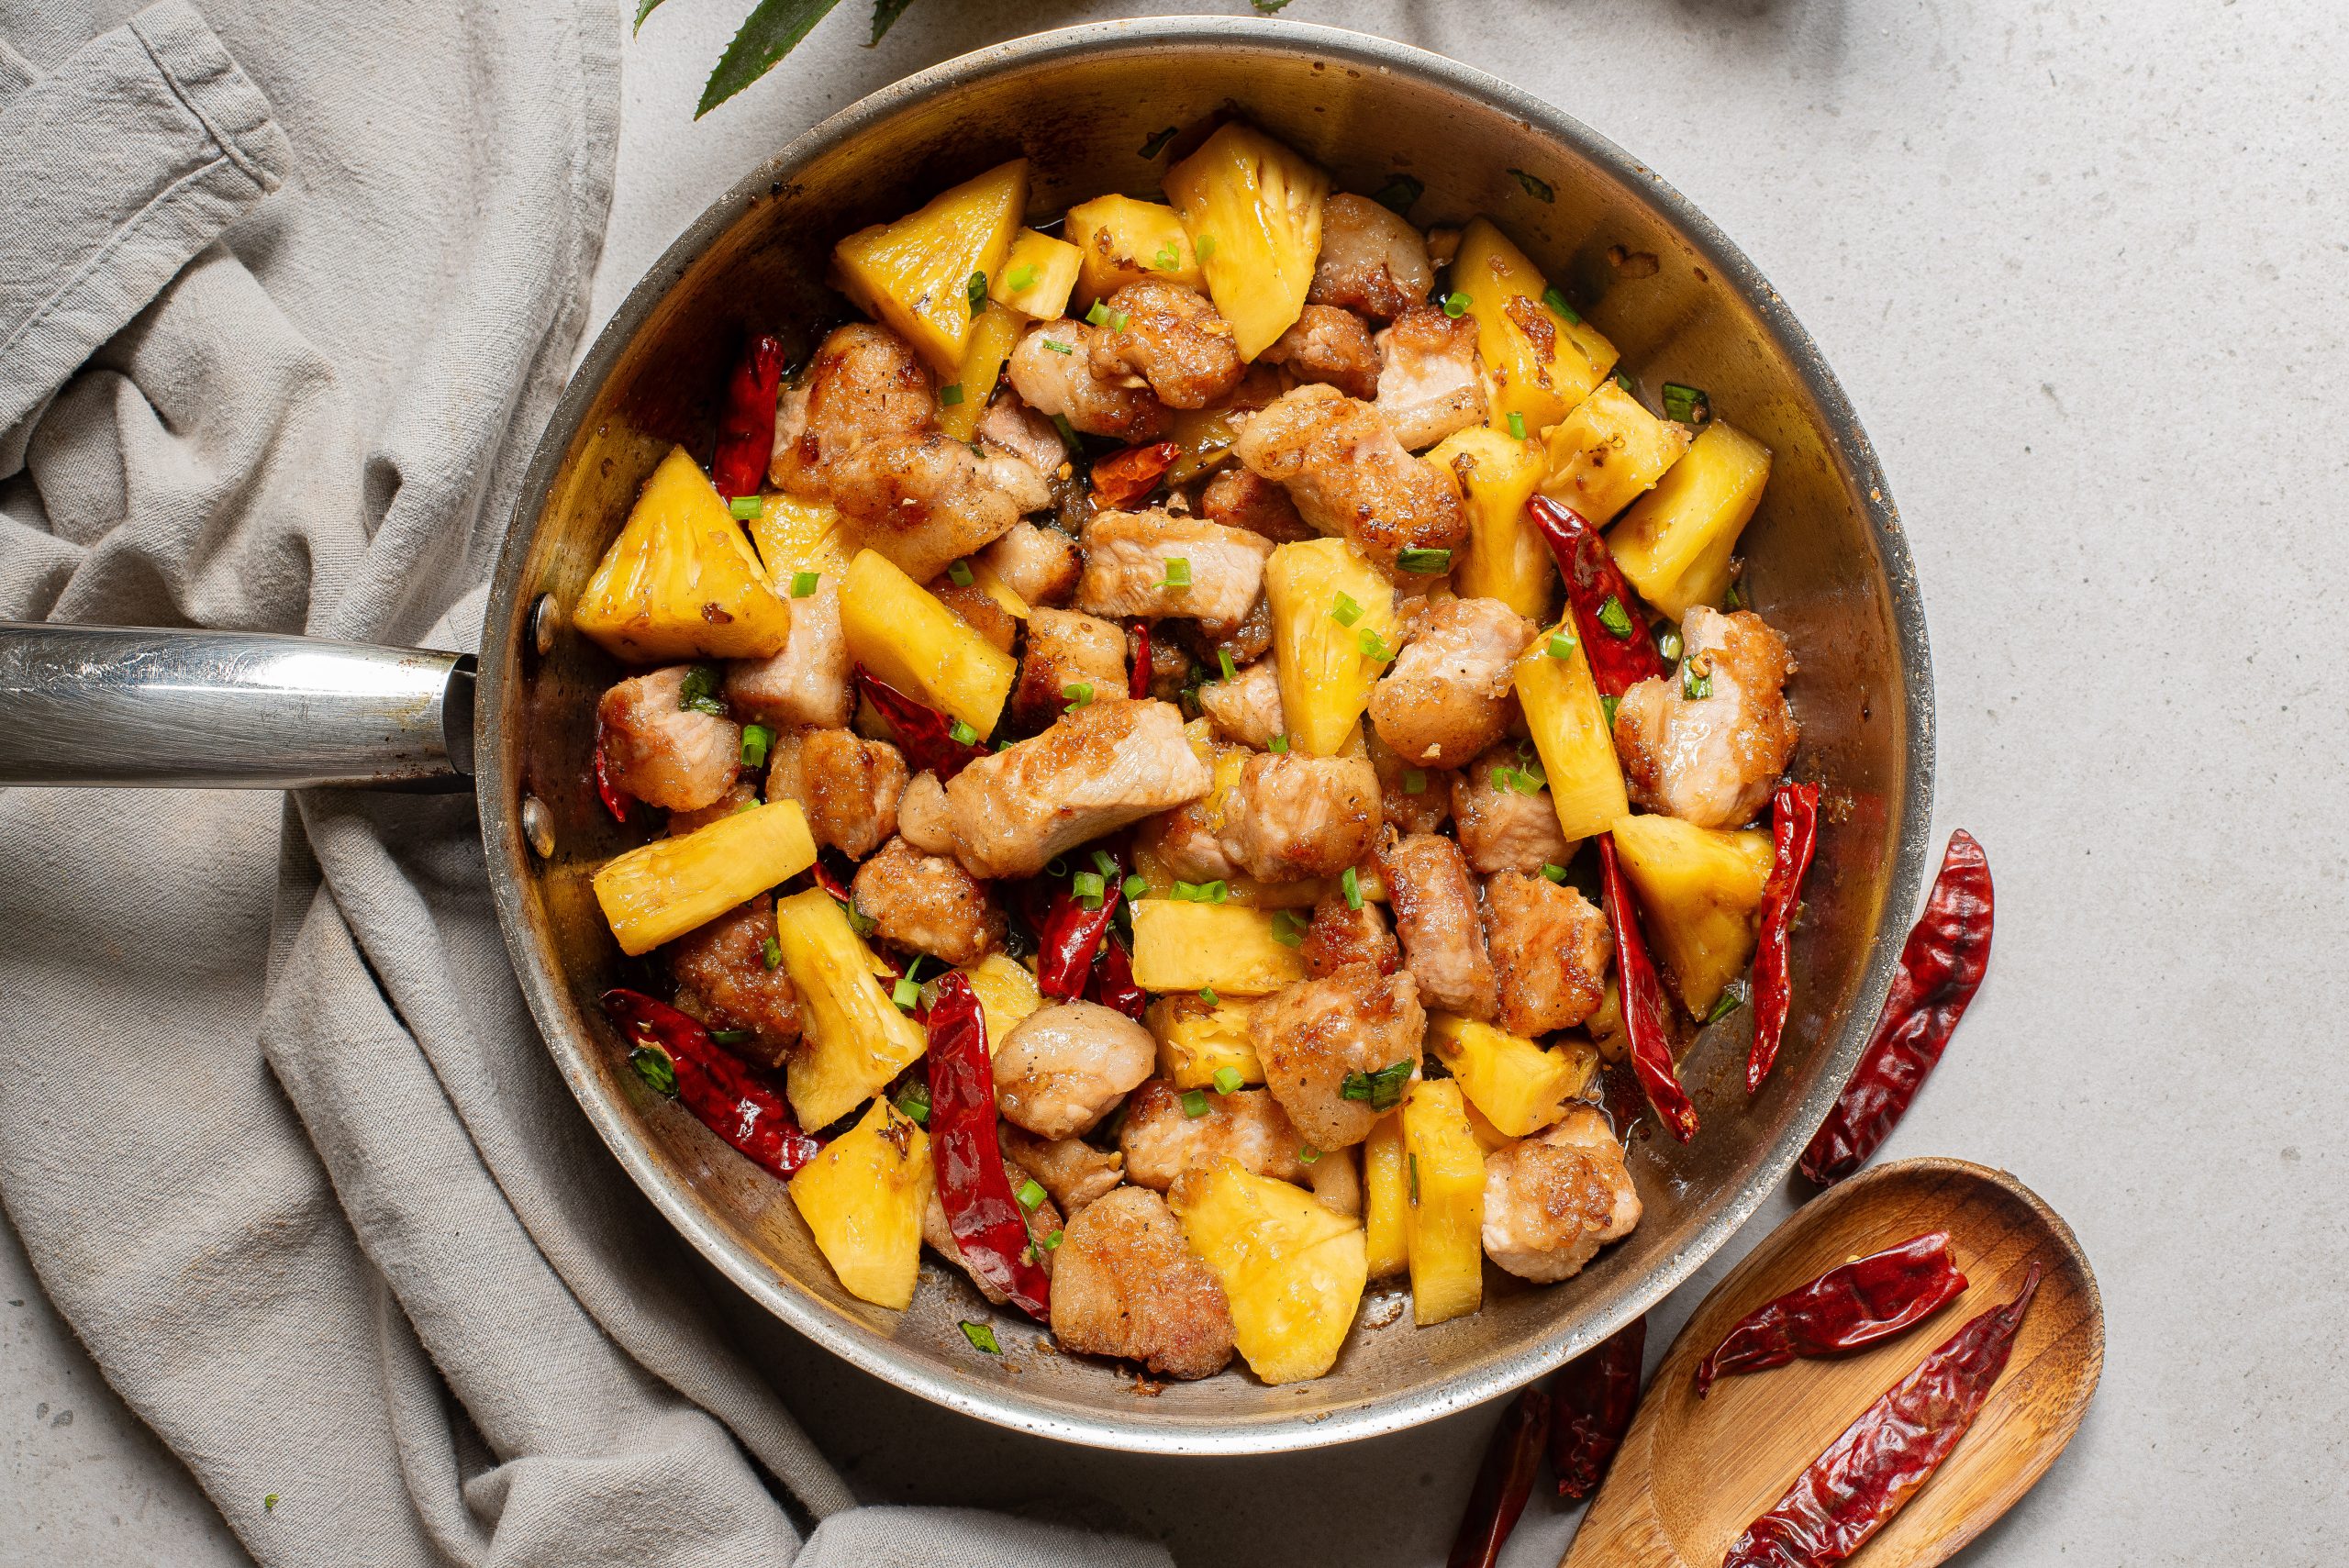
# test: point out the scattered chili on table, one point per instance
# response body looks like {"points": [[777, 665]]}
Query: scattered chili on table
{"points": [[746, 428], [989, 1226], [924, 734], [1794, 833], [1941, 968], [1504, 1482], [1646, 1017], [1877, 1465], [1854, 1304], [720, 1092], [1594, 1394], [1127, 475], [1138, 679], [1621, 652]]}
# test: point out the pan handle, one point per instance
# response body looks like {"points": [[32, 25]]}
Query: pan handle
{"points": [[134, 708]]}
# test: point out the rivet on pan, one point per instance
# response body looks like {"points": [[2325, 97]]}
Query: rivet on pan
{"points": [[537, 826], [545, 621]]}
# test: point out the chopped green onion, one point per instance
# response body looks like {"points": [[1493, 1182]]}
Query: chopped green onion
{"points": [[1561, 645], [1374, 646], [804, 583], [770, 952], [982, 1338], [1053, 1242], [1207, 995], [1456, 304], [1553, 871], [959, 574], [905, 992], [1089, 888], [1186, 892], [1057, 346], [913, 969], [1203, 247], [1733, 996], [1382, 1089], [1539, 189], [1021, 277], [1531, 779], [1104, 865], [1695, 686], [1412, 1164], [1345, 612], [1501, 778], [1118, 320], [730, 1037], [1399, 194], [977, 289], [1289, 927], [1689, 404], [1736, 597], [1098, 315], [963, 733], [1516, 426], [1169, 258], [1135, 885], [1307, 1154], [1350, 885], [858, 920], [950, 395], [1415, 781], [1223, 663], [913, 1102], [1214, 892], [1157, 142], [1195, 1104], [1031, 1194], [744, 507], [1608, 706], [1279, 744], [653, 1065], [1428, 561], [1669, 645], [1228, 1080], [1060, 421], [756, 738], [1615, 618], [1078, 694], [699, 692], [1619, 379], [1557, 302], [1178, 573]]}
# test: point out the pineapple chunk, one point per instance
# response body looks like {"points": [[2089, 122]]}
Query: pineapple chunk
{"points": [[681, 581], [1608, 451], [1520, 1087], [1197, 1040], [988, 581], [660, 891], [1007, 994], [1699, 888], [1121, 241], [1386, 1197], [1325, 676], [1445, 1235], [1254, 206], [964, 399], [1292, 1269], [796, 536], [1229, 948], [1569, 728], [914, 275], [1607, 1032], [1037, 275], [896, 628], [1489, 1139], [1675, 545], [1505, 559], [1541, 364], [854, 1039], [862, 1197], [1250, 893]]}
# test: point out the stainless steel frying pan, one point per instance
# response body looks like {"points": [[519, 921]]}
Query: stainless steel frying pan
{"points": [[1828, 567]]}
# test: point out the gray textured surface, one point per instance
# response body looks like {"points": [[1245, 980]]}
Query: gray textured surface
{"points": [[2080, 269]]}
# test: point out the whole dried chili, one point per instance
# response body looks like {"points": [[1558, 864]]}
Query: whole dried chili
{"points": [[1867, 1473], [746, 428], [1794, 834], [1854, 1304], [989, 1226], [829, 879], [1071, 935], [1594, 1394], [605, 790], [1113, 980], [1138, 678], [1646, 1017], [924, 734], [1941, 968], [1126, 476], [1504, 1482], [1621, 652], [674, 1053]]}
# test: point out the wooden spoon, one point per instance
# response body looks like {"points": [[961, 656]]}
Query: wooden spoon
{"points": [[1693, 1474]]}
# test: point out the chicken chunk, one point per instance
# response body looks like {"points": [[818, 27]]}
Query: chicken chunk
{"points": [[1043, 1222], [1246, 708], [1161, 1140], [741, 796], [1428, 385], [1407, 809], [976, 608], [865, 383], [1125, 1284], [1127, 573], [1247, 643], [1350, 476], [927, 904], [924, 820], [1549, 948], [723, 965], [1503, 824], [1552, 1200], [1189, 841], [1339, 936], [1066, 649], [1292, 817], [1436, 920], [1010, 425], [1313, 1034], [1038, 564], [806, 685], [1372, 259], [1055, 370], [1173, 340], [848, 786], [1447, 695], [1336, 1180], [1330, 345], [659, 750], [1710, 760], [1100, 767], [1071, 1170], [1067, 1065], [1239, 499]]}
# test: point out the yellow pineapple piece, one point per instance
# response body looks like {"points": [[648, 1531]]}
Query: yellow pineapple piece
{"points": [[657, 892], [1699, 889], [1489, 1139], [1519, 1085], [1505, 558], [1007, 994], [896, 628], [1569, 729], [1253, 210], [796, 536], [1675, 543], [964, 399], [1292, 1269], [1541, 363], [1037, 276], [1445, 1173], [1121, 241], [1386, 1197], [1324, 596], [853, 1038], [1197, 1039], [1608, 1033], [1606, 453], [1250, 893], [914, 275], [681, 581], [1233, 950], [862, 1197]]}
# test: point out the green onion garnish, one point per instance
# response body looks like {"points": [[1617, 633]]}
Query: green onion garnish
{"points": [[802, 584], [1350, 885], [1104, 865], [1553, 871], [653, 1065], [1178, 573], [1186, 892], [1307, 1154], [1668, 644], [1118, 320], [1080, 694], [730, 1037], [1561, 645], [1057, 346], [1228, 1080], [1456, 304], [905, 992], [1053, 1242], [1207, 995], [1345, 612], [1734, 598], [744, 507], [1021, 277], [977, 289], [1031, 1194], [1539, 189], [1195, 1104], [1098, 315], [1619, 379], [1203, 247], [1223, 663], [1060, 422], [1607, 706], [982, 1338], [1089, 888], [1382, 1089], [1374, 646], [1168, 258], [1428, 561], [1214, 892], [770, 952], [1516, 426], [1615, 618], [1135, 885], [963, 733], [1693, 685], [959, 574], [1557, 302], [1289, 927], [1411, 1169], [1733, 998], [1415, 781], [1279, 744], [1501, 778], [756, 738], [913, 1102], [950, 395], [1689, 404]]}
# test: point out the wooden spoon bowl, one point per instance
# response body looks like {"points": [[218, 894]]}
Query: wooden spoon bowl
{"points": [[1692, 1474]]}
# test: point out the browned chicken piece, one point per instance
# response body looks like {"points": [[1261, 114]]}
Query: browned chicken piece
{"points": [[1066, 649], [1055, 370], [1552, 1200], [1246, 708], [1336, 1180], [1067, 1065], [1292, 817], [1710, 760], [1408, 810], [1348, 475], [849, 786], [1339, 936], [659, 750], [1437, 921], [1239, 499], [1170, 666], [1447, 695], [1043, 1221], [977, 609], [1161, 1140], [1038, 564], [1506, 819], [1011, 426], [865, 383], [1247, 643], [741, 796], [1549, 951], [1428, 385], [1189, 841], [924, 820], [1127, 573], [1372, 259], [807, 686], [1125, 1284], [723, 964], [1174, 339], [1071, 1170], [927, 904], [1313, 1034], [1330, 345], [1100, 767]]}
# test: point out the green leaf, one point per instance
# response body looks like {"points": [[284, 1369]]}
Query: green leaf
{"points": [[771, 31], [643, 9], [884, 16]]}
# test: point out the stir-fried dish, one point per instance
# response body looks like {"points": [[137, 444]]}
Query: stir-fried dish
{"points": [[1128, 714]]}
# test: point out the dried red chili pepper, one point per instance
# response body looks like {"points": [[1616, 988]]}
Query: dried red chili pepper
{"points": [[1622, 654], [1503, 1482], [1941, 968], [924, 734], [718, 1089], [605, 790], [1854, 1304], [831, 880], [1070, 935], [1646, 1016], [1596, 1393], [989, 1226], [1138, 678], [1867, 1473], [746, 429], [1113, 980], [1794, 834], [1124, 477]]}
